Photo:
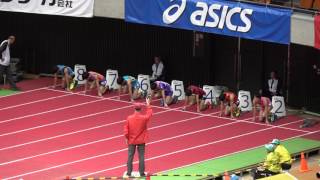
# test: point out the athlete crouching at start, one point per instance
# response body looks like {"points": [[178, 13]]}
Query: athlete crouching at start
{"points": [[265, 106], [163, 90], [67, 76], [97, 80], [229, 104], [129, 84], [195, 95]]}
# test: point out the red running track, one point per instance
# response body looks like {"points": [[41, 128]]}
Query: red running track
{"points": [[78, 135]]}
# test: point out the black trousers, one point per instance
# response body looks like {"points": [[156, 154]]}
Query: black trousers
{"points": [[131, 151], [7, 71], [261, 174], [285, 166]]}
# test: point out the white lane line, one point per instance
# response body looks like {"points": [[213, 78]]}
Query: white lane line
{"points": [[250, 122], [58, 109], [23, 92], [67, 120], [202, 114], [63, 121], [33, 102], [105, 139], [73, 132], [183, 150], [270, 125], [225, 155], [156, 157]]}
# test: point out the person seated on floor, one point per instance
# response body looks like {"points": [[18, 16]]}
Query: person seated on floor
{"points": [[271, 165], [129, 84], [97, 80], [229, 104], [195, 95], [265, 106], [163, 90], [285, 157], [67, 76], [309, 122]]}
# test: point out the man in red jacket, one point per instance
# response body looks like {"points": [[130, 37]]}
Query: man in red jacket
{"points": [[136, 133]]}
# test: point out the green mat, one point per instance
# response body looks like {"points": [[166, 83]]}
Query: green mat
{"points": [[6, 92], [239, 160]]}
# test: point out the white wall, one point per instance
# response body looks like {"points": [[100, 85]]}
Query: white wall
{"points": [[302, 29], [109, 8]]}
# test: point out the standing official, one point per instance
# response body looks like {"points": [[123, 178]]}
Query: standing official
{"points": [[136, 134], [5, 60]]}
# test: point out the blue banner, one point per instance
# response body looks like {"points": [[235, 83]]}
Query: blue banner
{"points": [[214, 16]]}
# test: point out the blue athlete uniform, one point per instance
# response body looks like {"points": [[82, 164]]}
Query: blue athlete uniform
{"points": [[166, 87], [61, 70], [134, 81]]}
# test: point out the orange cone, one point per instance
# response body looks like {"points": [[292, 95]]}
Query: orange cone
{"points": [[226, 176], [303, 164]]}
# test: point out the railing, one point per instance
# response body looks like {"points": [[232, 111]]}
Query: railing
{"points": [[304, 6]]}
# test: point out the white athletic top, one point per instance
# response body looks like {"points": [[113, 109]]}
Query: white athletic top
{"points": [[5, 61], [273, 85], [157, 70]]}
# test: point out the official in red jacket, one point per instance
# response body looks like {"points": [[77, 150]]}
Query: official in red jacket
{"points": [[136, 133]]}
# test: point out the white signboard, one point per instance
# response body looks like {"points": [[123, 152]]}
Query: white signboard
{"points": [[178, 89], [77, 8]]}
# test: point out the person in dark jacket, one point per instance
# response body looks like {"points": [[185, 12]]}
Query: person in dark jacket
{"points": [[136, 134], [273, 85]]}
